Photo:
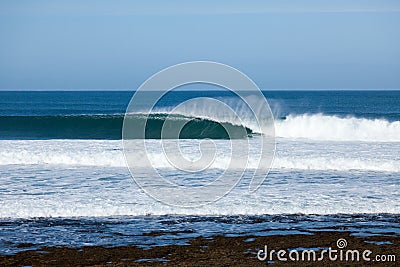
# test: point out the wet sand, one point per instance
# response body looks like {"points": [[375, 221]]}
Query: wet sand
{"points": [[215, 251]]}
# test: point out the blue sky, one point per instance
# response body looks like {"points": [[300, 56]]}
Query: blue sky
{"points": [[321, 44]]}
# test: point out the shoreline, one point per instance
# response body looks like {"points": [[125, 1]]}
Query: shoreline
{"points": [[215, 251]]}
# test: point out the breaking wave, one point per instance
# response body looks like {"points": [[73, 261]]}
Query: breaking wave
{"points": [[307, 126], [333, 128]]}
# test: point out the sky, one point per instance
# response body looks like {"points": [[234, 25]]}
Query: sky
{"points": [[114, 45]]}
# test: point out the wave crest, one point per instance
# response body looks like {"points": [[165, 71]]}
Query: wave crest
{"points": [[333, 128]]}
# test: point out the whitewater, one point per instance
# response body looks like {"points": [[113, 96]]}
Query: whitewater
{"points": [[334, 128], [290, 154]]}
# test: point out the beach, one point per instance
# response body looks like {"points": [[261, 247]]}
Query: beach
{"points": [[216, 251]]}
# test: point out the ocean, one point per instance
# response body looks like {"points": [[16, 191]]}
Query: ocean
{"points": [[64, 180]]}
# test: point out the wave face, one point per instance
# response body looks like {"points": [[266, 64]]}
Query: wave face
{"points": [[333, 128], [110, 127], [194, 127]]}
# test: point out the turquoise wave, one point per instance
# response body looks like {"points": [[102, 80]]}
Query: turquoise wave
{"points": [[110, 127]]}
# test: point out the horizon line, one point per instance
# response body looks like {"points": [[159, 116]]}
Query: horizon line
{"points": [[213, 89]]}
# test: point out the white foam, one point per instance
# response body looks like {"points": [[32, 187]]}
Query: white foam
{"points": [[336, 164], [83, 194], [69, 178], [291, 154], [58, 208], [333, 128]]}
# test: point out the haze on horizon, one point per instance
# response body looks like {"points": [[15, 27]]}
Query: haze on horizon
{"points": [[321, 44]]}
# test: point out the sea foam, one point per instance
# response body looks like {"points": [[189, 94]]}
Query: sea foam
{"points": [[334, 128], [290, 154]]}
